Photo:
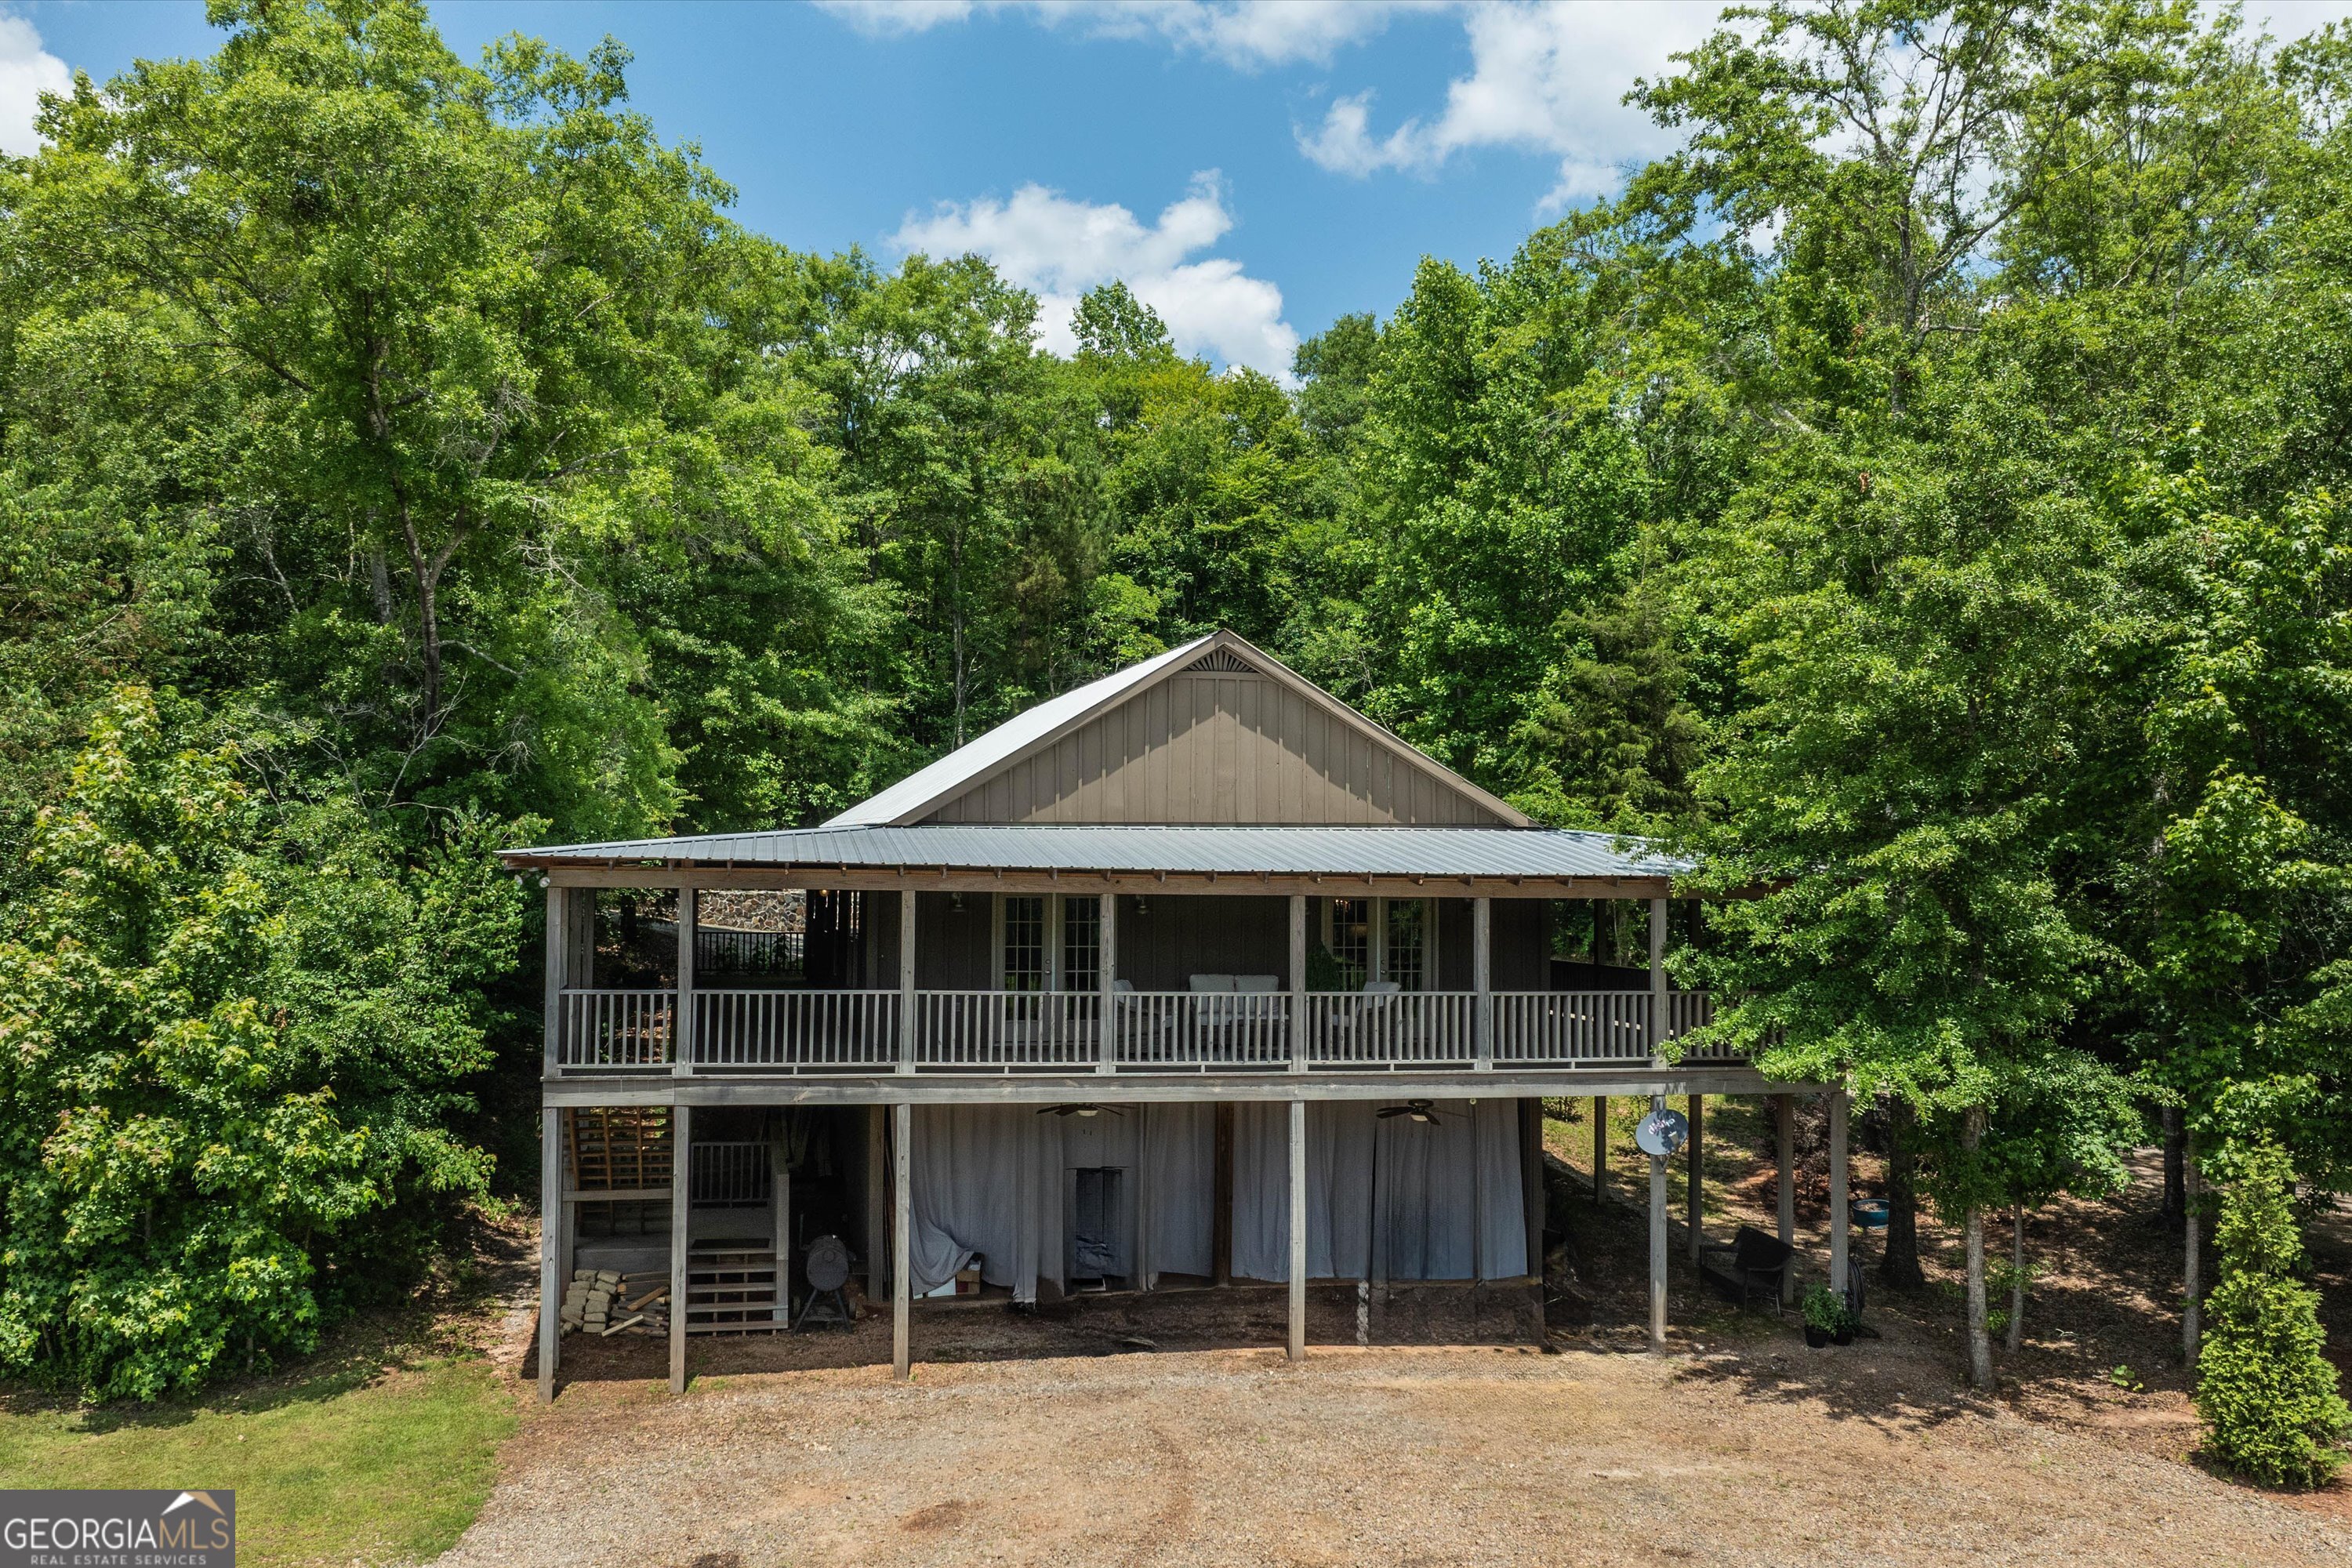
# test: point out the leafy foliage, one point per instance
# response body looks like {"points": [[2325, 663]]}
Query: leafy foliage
{"points": [[2266, 1388], [233, 1032]]}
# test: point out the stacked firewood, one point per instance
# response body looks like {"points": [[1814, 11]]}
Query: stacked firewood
{"points": [[604, 1302]]}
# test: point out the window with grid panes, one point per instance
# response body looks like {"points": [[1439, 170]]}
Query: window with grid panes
{"points": [[1024, 942], [1081, 944], [1405, 956]]}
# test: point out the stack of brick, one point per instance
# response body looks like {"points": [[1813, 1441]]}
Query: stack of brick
{"points": [[588, 1301], [602, 1301]]}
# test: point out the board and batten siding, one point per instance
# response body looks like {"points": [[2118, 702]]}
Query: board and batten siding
{"points": [[1234, 749]]}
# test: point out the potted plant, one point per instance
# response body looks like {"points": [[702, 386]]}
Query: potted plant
{"points": [[1825, 1317]]}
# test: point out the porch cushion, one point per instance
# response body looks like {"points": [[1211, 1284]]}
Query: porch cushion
{"points": [[1257, 982], [1209, 982]]}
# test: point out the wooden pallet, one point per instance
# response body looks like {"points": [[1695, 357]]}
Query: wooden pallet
{"points": [[612, 1147], [731, 1290]]}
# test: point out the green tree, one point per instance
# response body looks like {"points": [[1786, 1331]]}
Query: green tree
{"points": [[2266, 1389], [475, 414], [2061, 1123], [235, 1031]]}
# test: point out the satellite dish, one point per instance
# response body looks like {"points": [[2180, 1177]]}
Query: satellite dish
{"points": [[1662, 1132]]}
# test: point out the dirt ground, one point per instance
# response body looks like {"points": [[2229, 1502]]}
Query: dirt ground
{"points": [[1167, 1430]]}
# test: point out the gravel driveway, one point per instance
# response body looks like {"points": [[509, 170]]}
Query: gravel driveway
{"points": [[1388, 1456]]}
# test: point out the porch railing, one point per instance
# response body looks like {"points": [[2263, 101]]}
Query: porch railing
{"points": [[807, 1031], [790, 1030], [731, 1173], [617, 1031], [1408, 1028], [1202, 1031], [1567, 1027], [1006, 1031]]}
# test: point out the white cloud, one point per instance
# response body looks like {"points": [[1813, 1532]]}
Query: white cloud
{"points": [[1243, 33], [1548, 79], [1059, 249], [26, 72]]}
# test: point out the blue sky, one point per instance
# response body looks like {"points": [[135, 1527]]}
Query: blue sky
{"points": [[1254, 168]]}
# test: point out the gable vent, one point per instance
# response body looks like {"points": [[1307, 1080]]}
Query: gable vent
{"points": [[1221, 661]]}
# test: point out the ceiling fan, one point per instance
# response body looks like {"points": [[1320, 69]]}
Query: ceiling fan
{"points": [[1419, 1110], [1081, 1110]]}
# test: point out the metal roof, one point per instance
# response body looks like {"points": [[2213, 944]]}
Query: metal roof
{"points": [[1227, 852], [1008, 739]]}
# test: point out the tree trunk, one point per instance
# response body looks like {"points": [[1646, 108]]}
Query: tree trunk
{"points": [[1980, 1335], [2176, 1160], [1899, 1264], [2015, 1339]]}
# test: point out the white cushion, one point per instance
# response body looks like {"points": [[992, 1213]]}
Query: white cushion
{"points": [[1123, 987], [1257, 982], [1383, 988], [1209, 982]]}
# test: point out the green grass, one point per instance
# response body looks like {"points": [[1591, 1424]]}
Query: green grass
{"points": [[375, 1459]]}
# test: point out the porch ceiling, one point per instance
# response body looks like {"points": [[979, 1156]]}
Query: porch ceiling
{"points": [[1126, 1089], [1257, 857]]}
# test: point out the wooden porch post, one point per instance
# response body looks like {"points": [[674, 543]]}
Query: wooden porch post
{"points": [[1784, 1120], [681, 1209], [1107, 926], [902, 1275], [1482, 948], [906, 983], [1838, 1216], [681, 1026], [1658, 979], [1696, 1176], [551, 1247], [1297, 1230], [1657, 1240], [1298, 1044]]}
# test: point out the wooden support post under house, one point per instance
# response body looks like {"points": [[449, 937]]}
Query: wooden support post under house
{"points": [[1221, 1195], [1531, 1189], [681, 1241], [1839, 1218], [1600, 1146], [1657, 1240], [902, 1230], [1696, 1176], [550, 1147], [1784, 1122], [878, 1201], [1297, 1230], [780, 1214], [550, 1247]]}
